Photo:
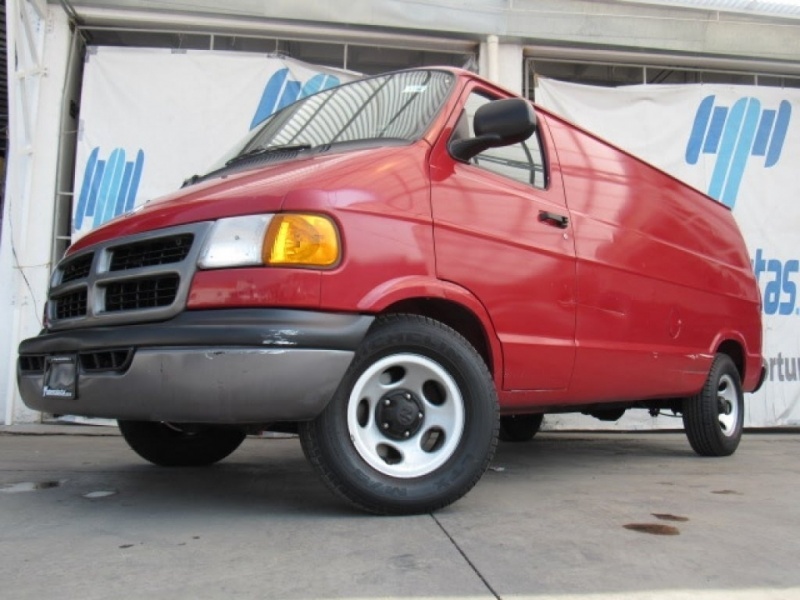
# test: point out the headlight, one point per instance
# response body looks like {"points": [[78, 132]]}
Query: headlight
{"points": [[290, 239], [235, 242]]}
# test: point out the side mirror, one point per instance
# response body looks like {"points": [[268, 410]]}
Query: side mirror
{"points": [[497, 123]]}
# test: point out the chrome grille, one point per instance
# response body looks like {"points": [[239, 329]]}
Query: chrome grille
{"points": [[135, 279]]}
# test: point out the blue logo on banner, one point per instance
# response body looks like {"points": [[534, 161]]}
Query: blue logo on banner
{"points": [[734, 134], [109, 187], [779, 293], [281, 90]]}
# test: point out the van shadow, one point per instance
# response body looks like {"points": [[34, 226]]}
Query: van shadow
{"points": [[262, 478], [551, 453], [272, 477]]}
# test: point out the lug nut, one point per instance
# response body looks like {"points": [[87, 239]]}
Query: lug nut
{"points": [[387, 402], [385, 426], [407, 434]]}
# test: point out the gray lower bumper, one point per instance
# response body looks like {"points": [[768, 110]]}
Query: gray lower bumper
{"points": [[210, 381]]}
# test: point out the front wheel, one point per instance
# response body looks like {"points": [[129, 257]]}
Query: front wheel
{"points": [[170, 445], [413, 424], [714, 418]]}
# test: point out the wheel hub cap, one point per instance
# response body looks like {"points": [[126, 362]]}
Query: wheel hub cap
{"points": [[399, 414], [405, 415], [727, 406]]}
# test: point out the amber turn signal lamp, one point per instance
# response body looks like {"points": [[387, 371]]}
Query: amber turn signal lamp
{"points": [[301, 240]]}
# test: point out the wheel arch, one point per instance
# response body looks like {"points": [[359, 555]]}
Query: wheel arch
{"points": [[445, 302], [743, 343], [455, 316], [735, 350]]}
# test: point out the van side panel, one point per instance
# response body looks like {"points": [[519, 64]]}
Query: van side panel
{"points": [[663, 275]]}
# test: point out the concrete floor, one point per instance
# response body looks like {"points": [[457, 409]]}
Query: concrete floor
{"points": [[82, 517]]}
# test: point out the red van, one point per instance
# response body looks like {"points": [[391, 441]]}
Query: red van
{"points": [[403, 268]]}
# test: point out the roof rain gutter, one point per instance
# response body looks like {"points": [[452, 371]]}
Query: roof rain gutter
{"points": [[100, 18]]}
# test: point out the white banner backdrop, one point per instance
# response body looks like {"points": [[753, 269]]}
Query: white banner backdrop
{"points": [[741, 145], [151, 118]]}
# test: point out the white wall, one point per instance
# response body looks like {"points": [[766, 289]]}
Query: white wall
{"points": [[39, 49]]}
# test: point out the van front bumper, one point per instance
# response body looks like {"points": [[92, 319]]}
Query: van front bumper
{"points": [[221, 366]]}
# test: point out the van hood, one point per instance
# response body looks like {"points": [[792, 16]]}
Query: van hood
{"points": [[258, 190]]}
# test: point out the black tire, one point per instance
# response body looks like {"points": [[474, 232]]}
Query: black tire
{"points": [[413, 424], [714, 418], [170, 445], [519, 428]]}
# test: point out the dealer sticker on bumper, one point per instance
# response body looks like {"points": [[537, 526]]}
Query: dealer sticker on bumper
{"points": [[60, 377]]}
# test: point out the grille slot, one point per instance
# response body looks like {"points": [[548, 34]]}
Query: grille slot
{"points": [[106, 360], [71, 305], [77, 269], [149, 253], [151, 292]]}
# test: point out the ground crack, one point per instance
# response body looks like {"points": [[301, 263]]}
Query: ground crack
{"points": [[466, 558]]}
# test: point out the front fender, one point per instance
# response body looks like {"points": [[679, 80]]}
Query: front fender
{"points": [[420, 287]]}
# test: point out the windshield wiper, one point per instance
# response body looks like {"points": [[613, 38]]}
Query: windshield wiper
{"points": [[247, 155], [265, 151]]}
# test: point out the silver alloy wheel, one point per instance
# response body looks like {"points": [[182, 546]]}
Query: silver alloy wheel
{"points": [[405, 415], [728, 401]]}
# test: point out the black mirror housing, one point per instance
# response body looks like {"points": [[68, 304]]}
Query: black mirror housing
{"points": [[498, 123]]}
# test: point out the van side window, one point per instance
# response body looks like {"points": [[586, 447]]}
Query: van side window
{"points": [[522, 162]]}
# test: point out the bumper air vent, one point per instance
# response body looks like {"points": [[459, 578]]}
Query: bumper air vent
{"points": [[32, 363], [106, 360]]}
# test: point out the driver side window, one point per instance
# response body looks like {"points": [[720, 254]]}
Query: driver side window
{"points": [[521, 162]]}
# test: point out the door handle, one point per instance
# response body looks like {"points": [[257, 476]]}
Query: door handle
{"points": [[560, 221]]}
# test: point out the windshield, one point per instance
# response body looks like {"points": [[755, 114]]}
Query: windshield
{"points": [[397, 107]]}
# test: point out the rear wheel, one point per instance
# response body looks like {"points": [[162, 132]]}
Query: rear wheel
{"points": [[519, 428], [714, 418], [170, 445], [413, 424]]}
